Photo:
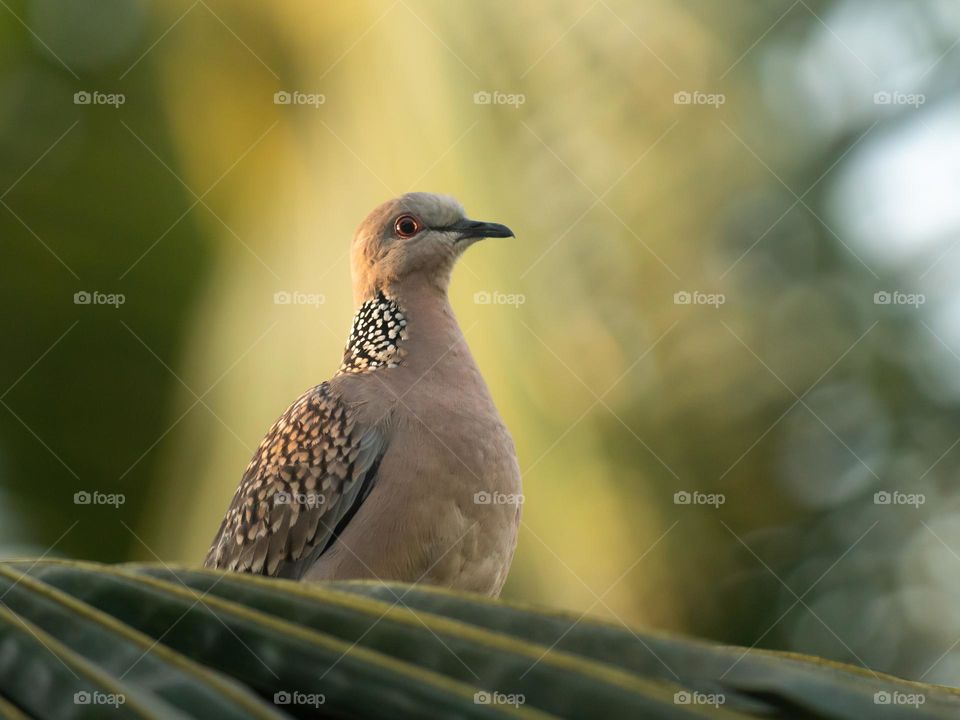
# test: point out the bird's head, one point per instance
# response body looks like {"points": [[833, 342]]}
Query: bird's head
{"points": [[415, 238]]}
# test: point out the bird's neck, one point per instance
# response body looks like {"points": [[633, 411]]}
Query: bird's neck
{"points": [[403, 327], [378, 331]]}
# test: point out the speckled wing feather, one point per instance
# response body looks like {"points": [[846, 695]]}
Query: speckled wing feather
{"points": [[309, 474]]}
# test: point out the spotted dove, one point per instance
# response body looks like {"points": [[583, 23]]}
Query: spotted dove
{"points": [[399, 467]]}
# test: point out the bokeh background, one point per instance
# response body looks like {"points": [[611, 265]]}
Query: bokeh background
{"points": [[735, 278]]}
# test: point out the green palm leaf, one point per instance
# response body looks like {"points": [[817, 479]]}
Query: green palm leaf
{"points": [[81, 640]]}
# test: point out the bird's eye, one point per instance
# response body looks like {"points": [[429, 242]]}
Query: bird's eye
{"points": [[407, 226]]}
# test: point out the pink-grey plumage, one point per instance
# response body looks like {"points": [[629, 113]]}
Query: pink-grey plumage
{"points": [[399, 467]]}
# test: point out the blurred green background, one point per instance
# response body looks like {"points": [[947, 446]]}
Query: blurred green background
{"points": [[734, 279]]}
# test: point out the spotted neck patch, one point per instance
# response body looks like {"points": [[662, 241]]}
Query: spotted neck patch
{"points": [[378, 329]]}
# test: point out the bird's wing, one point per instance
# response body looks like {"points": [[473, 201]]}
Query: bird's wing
{"points": [[306, 479]]}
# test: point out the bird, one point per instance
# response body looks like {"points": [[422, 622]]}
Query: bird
{"points": [[398, 468]]}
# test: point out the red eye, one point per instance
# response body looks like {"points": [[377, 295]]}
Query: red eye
{"points": [[407, 226]]}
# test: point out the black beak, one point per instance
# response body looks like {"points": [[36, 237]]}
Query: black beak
{"points": [[477, 229]]}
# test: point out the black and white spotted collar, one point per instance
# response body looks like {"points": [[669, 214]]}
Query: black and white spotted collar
{"points": [[378, 329]]}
